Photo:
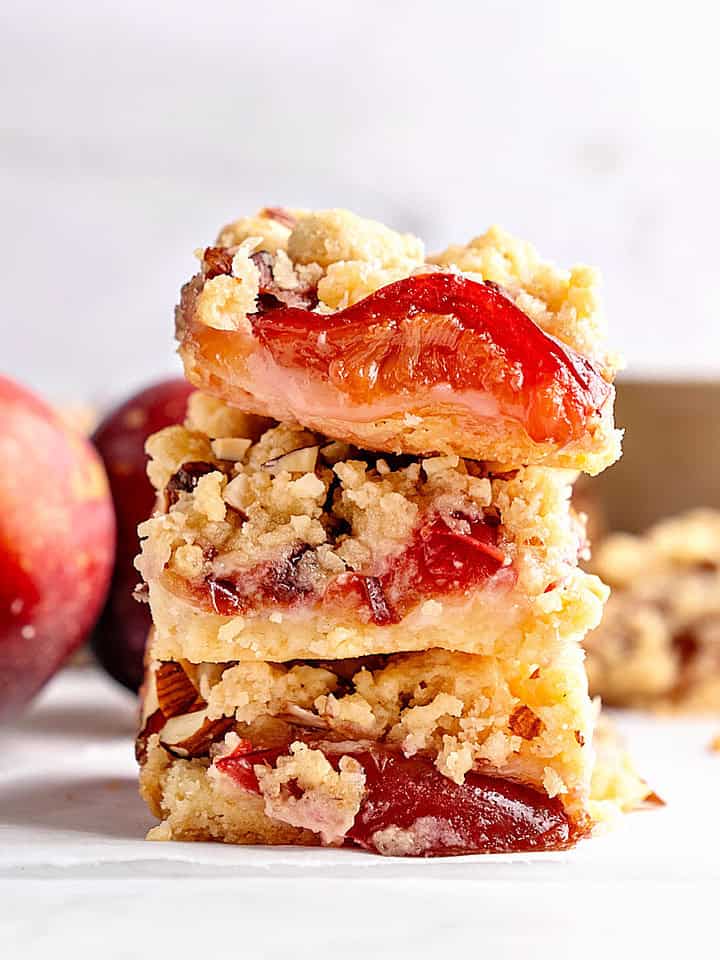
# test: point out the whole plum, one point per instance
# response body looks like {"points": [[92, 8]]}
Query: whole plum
{"points": [[57, 543], [119, 639]]}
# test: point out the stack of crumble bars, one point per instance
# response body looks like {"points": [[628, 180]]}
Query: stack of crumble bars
{"points": [[362, 568]]}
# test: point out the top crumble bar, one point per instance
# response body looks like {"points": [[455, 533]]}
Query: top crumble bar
{"points": [[346, 327]]}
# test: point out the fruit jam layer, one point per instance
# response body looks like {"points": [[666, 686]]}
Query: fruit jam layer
{"points": [[441, 560], [430, 340], [409, 807]]}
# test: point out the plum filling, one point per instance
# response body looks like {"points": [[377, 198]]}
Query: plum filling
{"points": [[435, 337], [445, 557], [437, 329], [441, 560], [410, 808]]}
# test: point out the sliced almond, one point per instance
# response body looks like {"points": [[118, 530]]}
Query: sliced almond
{"points": [[150, 725], [302, 460], [230, 448], [236, 492], [176, 693], [524, 723], [439, 464], [148, 695], [306, 718], [206, 676], [334, 452], [190, 734]]}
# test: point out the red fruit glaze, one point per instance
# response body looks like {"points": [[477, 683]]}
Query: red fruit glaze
{"points": [[484, 814], [57, 539], [437, 329], [439, 561], [119, 640], [239, 764]]}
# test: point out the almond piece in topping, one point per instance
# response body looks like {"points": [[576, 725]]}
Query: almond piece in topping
{"points": [[524, 723], [190, 734], [206, 676], [230, 448], [150, 725], [302, 460], [176, 693], [334, 452], [149, 702]]}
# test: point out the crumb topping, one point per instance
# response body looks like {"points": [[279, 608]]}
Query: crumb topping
{"points": [[466, 711], [304, 790], [344, 258], [322, 509], [563, 302]]}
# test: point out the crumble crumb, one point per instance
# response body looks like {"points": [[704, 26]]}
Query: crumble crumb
{"points": [[329, 800]]}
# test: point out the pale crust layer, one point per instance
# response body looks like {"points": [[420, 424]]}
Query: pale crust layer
{"points": [[483, 624], [447, 430]]}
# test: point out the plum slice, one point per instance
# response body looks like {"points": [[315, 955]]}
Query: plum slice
{"points": [[412, 808], [442, 329], [432, 344]]}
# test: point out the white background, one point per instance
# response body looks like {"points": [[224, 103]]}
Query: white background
{"points": [[131, 130]]}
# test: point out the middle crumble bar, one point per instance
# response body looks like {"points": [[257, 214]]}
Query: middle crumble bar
{"points": [[274, 543]]}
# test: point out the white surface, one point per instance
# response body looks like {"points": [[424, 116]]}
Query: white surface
{"points": [[76, 878], [131, 130]]}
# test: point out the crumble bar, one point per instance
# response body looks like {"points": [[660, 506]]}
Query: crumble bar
{"points": [[345, 326], [274, 543], [418, 754], [659, 641]]}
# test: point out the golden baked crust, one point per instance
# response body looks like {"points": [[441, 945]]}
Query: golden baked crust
{"points": [[659, 641], [325, 520], [343, 259]]}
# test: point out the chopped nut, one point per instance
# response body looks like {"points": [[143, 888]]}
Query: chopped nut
{"points": [[176, 693], [524, 723], [230, 448], [439, 464], [302, 460], [236, 492], [216, 262], [149, 697], [280, 214], [334, 452], [190, 734]]}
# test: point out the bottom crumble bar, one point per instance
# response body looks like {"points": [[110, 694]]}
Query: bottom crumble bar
{"points": [[418, 754]]}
